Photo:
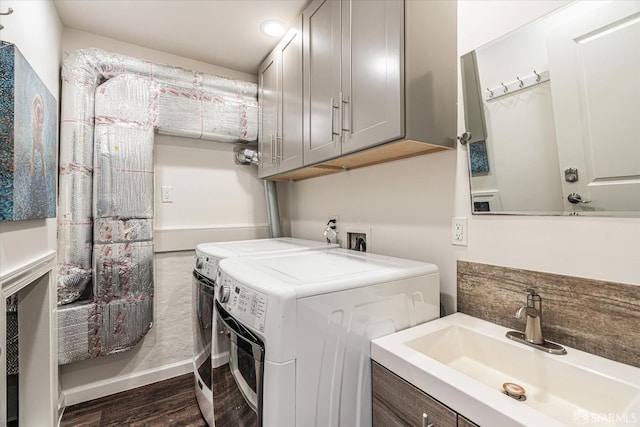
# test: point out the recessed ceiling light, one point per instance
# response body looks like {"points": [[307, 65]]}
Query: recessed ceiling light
{"points": [[272, 28]]}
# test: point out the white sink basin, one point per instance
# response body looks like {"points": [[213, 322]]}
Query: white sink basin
{"points": [[463, 362]]}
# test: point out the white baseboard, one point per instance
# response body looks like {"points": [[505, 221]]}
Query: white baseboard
{"points": [[121, 383]]}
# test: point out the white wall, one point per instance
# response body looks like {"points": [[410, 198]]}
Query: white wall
{"points": [[213, 199], [409, 203], [35, 29]]}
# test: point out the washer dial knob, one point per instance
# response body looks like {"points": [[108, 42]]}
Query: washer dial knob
{"points": [[224, 292]]}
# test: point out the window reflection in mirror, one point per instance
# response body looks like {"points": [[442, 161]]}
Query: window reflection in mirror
{"points": [[553, 109]]}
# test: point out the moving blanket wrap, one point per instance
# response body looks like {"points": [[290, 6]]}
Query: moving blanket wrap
{"points": [[112, 105]]}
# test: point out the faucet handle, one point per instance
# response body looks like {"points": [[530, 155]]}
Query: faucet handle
{"points": [[533, 298]]}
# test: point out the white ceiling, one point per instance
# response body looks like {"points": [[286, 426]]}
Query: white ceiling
{"points": [[219, 32]]}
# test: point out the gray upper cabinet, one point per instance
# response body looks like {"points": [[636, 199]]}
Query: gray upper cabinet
{"points": [[268, 116], [372, 78], [280, 98], [353, 81], [321, 64], [379, 84]]}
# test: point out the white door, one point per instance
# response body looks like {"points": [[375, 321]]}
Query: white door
{"points": [[594, 65]]}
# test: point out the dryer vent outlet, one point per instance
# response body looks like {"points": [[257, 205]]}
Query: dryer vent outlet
{"points": [[357, 241]]}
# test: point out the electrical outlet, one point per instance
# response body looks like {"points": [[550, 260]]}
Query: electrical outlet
{"points": [[167, 194], [459, 231]]}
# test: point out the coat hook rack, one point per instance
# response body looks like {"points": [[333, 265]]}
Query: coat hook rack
{"points": [[8, 12], [518, 84]]}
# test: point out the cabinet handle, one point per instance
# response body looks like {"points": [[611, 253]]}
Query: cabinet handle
{"points": [[345, 104], [333, 107], [425, 420], [273, 148], [278, 147]]}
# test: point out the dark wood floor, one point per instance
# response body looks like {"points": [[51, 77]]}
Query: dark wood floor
{"points": [[166, 403]]}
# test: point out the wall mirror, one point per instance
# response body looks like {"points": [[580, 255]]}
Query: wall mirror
{"points": [[553, 109]]}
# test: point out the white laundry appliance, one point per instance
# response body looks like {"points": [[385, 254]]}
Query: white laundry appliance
{"points": [[208, 256], [300, 326]]}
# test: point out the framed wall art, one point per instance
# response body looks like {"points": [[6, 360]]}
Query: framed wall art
{"points": [[28, 140]]}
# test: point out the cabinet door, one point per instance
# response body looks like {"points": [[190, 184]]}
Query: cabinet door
{"points": [[372, 72], [321, 61], [398, 403], [290, 138], [268, 118], [463, 422]]}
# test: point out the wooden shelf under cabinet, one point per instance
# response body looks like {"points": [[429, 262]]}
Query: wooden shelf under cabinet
{"points": [[380, 154]]}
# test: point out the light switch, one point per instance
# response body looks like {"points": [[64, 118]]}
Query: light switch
{"points": [[167, 194]]}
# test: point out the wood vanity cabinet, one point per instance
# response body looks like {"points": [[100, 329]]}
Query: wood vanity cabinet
{"points": [[463, 422], [397, 403], [280, 101]]}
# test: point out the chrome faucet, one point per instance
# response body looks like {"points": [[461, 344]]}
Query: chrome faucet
{"points": [[533, 330], [533, 313]]}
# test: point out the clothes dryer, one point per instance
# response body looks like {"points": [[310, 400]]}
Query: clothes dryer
{"points": [[299, 330]]}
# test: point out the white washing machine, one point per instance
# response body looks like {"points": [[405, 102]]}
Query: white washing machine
{"points": [[208, 256], [300, 326]]}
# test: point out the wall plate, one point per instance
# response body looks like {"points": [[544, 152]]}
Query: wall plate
{"points": [[459, 232]]}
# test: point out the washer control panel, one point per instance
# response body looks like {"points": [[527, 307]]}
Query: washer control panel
{"points": [[244, 303], [207, 266]]}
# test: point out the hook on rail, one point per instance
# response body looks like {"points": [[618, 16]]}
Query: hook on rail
{"points": [[8, 12]]}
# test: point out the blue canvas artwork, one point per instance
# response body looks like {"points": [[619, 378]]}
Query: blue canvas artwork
{"points": [[478, 158], [28, 130]]}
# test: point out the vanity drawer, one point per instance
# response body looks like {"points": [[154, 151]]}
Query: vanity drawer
{"points": [[398, 403], [463, 422]]}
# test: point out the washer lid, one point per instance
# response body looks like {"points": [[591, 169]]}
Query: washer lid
{"points": [[303, 274], [258, 246]]}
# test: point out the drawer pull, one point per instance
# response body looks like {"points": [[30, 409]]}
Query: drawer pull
{"points": [[425, 420]]}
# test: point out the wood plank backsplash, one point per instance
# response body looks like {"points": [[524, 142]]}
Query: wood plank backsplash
{"points": [[595, 316]]}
